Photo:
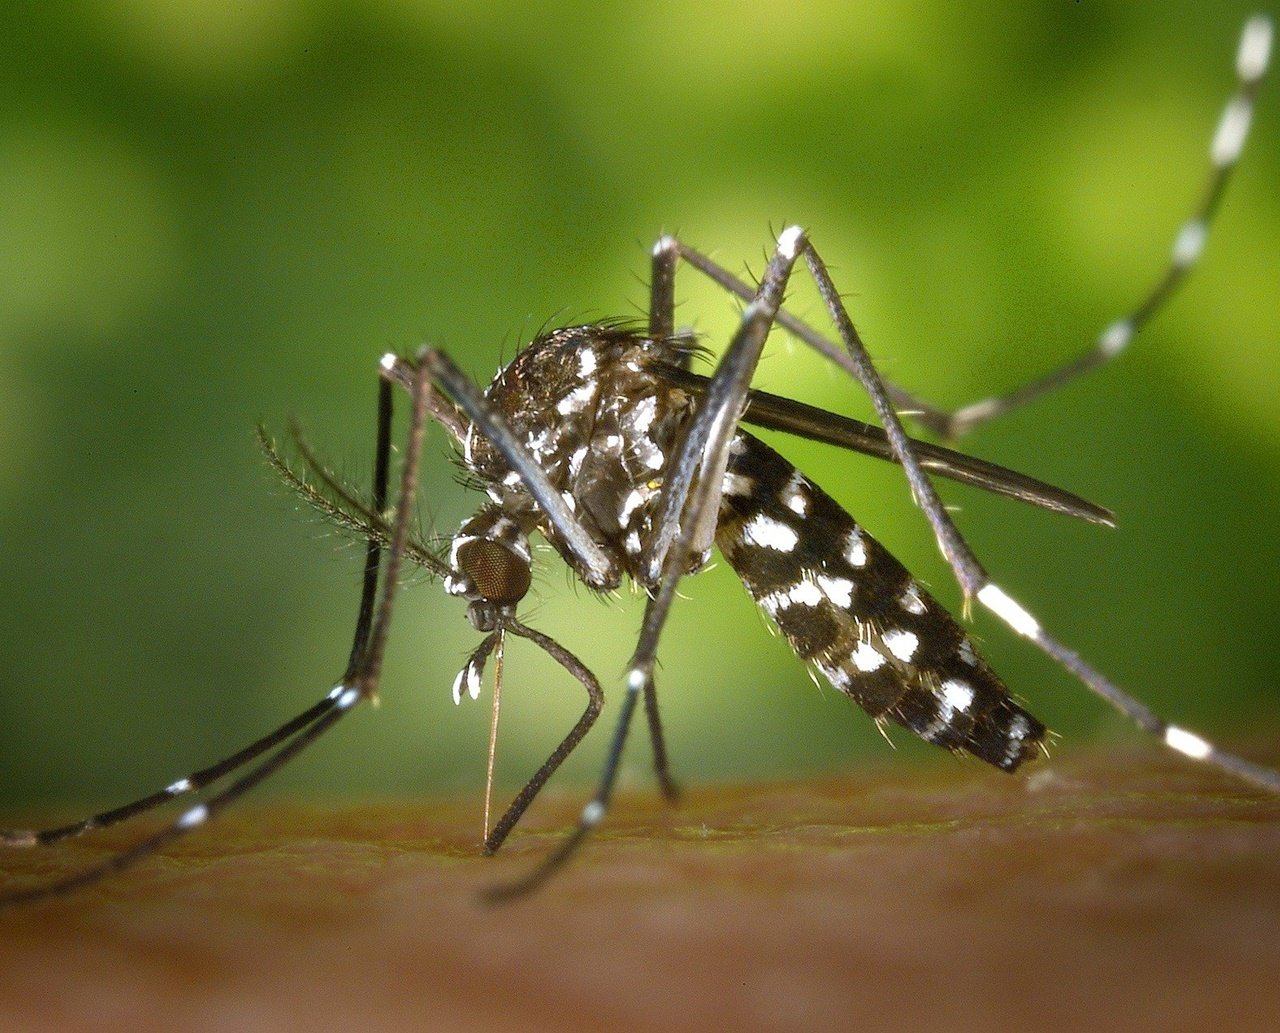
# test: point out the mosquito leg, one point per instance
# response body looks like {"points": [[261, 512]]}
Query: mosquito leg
{"points": [[601, 570], [592, 814], [976, 583], [704, 451], [595, 701], [779, 413], [661, 761], [193, 817], [1228, 142], [662, 289], [294, 734], [183, 787], [1188, 245], [681, 524], [373, 551], [662, 283], [201, 779], [687, 516], [365, 668]]}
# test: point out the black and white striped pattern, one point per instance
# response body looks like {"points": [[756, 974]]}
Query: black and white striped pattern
{"points": [[853, 611]]}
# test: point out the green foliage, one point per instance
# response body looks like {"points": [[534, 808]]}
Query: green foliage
{"points": [[214, 214]]}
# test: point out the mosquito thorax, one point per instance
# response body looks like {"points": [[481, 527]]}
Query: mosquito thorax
{"points": [[589, 405]]}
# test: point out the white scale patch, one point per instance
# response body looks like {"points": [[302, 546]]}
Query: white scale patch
{"points": [[1187, 743], [630, 504], [642, 416], [789, 241], [910, 599], [837, 676], [901, 644], [1255, 49], [196, 816], [459, 541], [636, 423], [967, 653], [768, 533], [542, 442], [866, 659], [1189, 244], [795, 496], [802, 593], [576, 400], [1232, 131], [957, 695], [592, 814], [469, 677], [838, 589], [1008, 610], [1115, 338], [855, 549], [467, 445], [738, 485], [514, 541], [1018, 729]]}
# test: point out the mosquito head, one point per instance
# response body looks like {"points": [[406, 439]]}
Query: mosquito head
{"points": [[491, 566]]}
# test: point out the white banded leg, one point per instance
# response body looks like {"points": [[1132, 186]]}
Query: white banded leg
{"points": [[1225, 148], [682, 521], [1227, 144], [359, 683], [1177, 738], [974, 580]]}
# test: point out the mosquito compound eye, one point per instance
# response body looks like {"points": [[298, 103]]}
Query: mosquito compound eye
{"points": [[499, 574]]}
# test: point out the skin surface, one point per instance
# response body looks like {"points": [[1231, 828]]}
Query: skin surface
{"points": [[1128, 892]]}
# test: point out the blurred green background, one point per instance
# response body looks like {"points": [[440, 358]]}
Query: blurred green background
{"points": [[214, 213]]}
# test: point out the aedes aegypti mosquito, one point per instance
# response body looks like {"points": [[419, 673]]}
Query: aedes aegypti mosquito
{"points": [[602, 439]]}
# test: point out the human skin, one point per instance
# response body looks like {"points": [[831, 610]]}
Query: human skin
{"points": [[1130, 892]]}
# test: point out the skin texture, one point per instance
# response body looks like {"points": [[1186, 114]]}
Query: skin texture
{"points": [[1128, 892]]}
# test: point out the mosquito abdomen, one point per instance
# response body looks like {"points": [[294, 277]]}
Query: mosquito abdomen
{"points": [[853, 611]]}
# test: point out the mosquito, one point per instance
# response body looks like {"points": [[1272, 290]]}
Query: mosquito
{"points": [[602, 440]]}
